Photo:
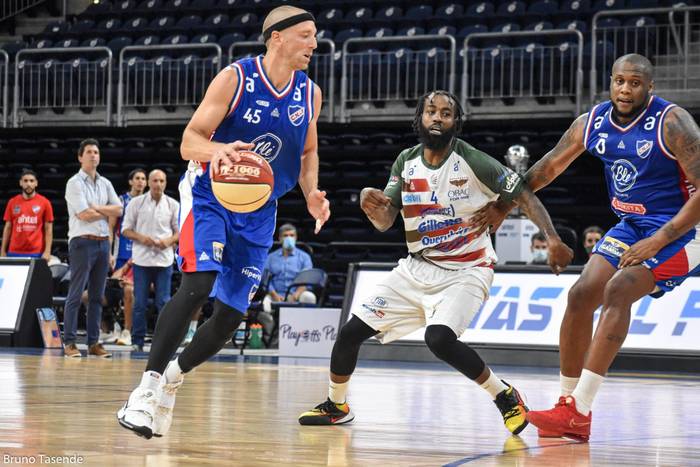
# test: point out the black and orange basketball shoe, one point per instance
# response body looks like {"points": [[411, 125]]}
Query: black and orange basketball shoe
{"points": [[327, 413], [512, 408]]}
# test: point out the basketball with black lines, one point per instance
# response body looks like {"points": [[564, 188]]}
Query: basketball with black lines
{"points": [[246, 185]]}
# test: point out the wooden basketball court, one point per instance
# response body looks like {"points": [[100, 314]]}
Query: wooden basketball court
{"points": [[242, 411]]}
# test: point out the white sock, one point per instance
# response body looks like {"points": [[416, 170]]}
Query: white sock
{"points": [[193, 325], [586, 390], [337, 392], [567, 384], [493, 385], [150, 380], [173, 372]]}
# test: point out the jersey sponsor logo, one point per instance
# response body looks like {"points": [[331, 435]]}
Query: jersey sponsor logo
{"points": [[644, 148], [218, 250], [433, 211], [511, 182], [621, 145], [431, 224], [380, 302], [268, 146], [378, 313], [613, 246], [393, 180], [23, 219], [275, 112], [428, 241], [409, 198], [296, 114], [631, 208], [262, 103], [624, 175], [458, 181], [204, 256], [251, 272], [460, 193]]}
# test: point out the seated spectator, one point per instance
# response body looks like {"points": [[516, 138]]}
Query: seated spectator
{"points": [[283, 266], [591, 235], [538, 247]]}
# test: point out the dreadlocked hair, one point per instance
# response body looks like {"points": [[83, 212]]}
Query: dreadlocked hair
{"points": [[456, 106]]}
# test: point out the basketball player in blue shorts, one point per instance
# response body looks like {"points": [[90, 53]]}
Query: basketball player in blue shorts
{"points": [[650, 149], [265, 104]]}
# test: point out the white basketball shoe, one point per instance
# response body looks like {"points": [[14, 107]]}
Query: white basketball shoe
{"points": [[166, 402], [138, 412]]}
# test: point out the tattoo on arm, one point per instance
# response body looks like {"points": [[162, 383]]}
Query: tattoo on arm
{"points": [[536, 212], [570, 145], [671, 232], [683, 138]]}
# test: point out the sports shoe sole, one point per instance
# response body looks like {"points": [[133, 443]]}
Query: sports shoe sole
{"points": [[142, 431], [318, 421]]}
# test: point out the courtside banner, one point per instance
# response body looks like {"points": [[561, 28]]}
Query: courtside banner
{"points": [[527, 308], [12, 280]]}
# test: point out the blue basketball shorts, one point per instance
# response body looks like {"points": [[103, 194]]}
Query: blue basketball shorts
{"points": [[213, 238], [670, 266]]}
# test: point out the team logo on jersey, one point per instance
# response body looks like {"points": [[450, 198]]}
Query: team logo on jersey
{"points": [[15, 210], [268, 146], [458, 181], [262, 103], [624, 175], [36, 209], [296, 114], [644, 148], [433, 181], [218, 251], [512, 180]]}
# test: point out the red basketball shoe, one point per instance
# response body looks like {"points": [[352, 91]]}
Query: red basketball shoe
{"points": [[564, 419], [552, 434]]}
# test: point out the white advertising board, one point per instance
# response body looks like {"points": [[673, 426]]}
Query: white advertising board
{"points": [[527, 308], [12, 280], [308, 332]]}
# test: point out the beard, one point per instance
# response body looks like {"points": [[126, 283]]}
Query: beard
{"points": [[28, 191], [436, 142]]}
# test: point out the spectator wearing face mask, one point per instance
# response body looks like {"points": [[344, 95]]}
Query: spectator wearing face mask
{"points": [[538, 247], [284, 264]]}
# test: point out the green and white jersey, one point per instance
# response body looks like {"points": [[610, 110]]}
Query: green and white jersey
{"points": [[437, 202]]}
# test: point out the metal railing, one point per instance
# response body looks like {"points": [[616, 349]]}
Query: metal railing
{"points": [[372, 74], [668, 45], [532, 70], [4, 74], [167, 82], [10, 8], [78, 85], [321, 69]]}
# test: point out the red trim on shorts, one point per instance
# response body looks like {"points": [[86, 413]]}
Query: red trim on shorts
{"points": [[675, 266], [186, 246]]}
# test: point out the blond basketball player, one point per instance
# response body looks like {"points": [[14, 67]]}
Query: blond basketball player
{"points": [[437, 185]]}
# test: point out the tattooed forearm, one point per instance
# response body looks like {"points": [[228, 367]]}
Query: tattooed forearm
{"points": [[536, 212], [671, 232], [683, 138], [569, 147]]}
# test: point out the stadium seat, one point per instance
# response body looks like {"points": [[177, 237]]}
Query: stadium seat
{"points": [[538, 26], [42, 44], [82, 27], [357, 16], [149, 6], [134, 25], [147, 40], [174, 7], [107, 26], [162, 23], [411, 31], [511, 11], [386, 17], [345, 34], [600, 5], [415, 16], [204, 39], [118, 43], [379, 32], [229, 5], [203, 6], [324, 34], [578, 25], [570, 10], [480, 11], [330, 18], [56, 29], [218, 23], [66, 43], [123, 6], [246, 22], [541, 9], [444, 31], [227, 40], [449, 12], [188, 24], [175, 39]]}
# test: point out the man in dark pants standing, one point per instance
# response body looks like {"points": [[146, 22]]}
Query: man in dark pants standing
{"points": [[91, 201]]}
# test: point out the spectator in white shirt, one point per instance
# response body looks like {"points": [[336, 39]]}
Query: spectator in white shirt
{"points": [[151, 221]]}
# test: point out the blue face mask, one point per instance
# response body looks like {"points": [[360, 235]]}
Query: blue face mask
{"points": [[539, 256], [288, 243]]}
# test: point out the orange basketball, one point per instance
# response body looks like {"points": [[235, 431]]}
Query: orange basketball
{"points": [[246, 186]]}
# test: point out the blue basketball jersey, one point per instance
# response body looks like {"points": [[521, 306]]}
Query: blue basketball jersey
{"points": [[275, 121], [644, 178], [122, 245]]}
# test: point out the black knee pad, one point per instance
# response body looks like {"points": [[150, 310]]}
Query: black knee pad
{"points": [[439, 339], [195, 286], [355, 332]]}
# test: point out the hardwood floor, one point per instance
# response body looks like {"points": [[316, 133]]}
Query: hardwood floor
{"points": [[243, 412]]}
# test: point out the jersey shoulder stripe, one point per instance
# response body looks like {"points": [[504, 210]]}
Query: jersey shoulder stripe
{"points": [[660, 133], [589, 124], [236, 99]]}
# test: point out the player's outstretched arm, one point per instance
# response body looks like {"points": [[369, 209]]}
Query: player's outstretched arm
{"points": [[682, 137], [211, 112], [316, 201], [378, 208], [545, 170], [560, 255]]}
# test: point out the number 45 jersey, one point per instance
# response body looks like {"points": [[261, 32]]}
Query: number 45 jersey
{"points": [[644, 178]]}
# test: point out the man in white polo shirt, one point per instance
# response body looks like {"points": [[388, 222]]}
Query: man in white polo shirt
{"points": [[91, 201], [151, 222]]}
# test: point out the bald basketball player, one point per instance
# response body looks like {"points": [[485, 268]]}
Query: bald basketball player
{"points": [[651, 152], [265, 104]]}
